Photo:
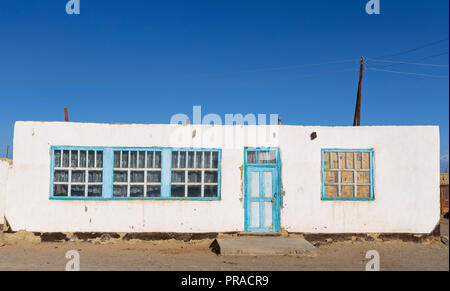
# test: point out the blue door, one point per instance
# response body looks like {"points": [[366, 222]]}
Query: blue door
{"points": [[262, 194]]}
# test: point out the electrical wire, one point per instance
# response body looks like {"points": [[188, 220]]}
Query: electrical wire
{"points": [[409, 73], [407, 63]]}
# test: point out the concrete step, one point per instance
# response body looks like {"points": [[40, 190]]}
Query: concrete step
{"points": [[263, 246]]}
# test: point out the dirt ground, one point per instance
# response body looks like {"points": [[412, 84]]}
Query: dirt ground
{"points": [[23, 253]]}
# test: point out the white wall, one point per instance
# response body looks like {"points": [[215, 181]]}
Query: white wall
{"points": [[406, 180], [5, 165]]}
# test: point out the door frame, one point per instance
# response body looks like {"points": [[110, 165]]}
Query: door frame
{"points": [[276, 207]]}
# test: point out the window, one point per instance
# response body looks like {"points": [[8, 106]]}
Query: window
{"points": [[261, 157], [78, 173], [347, 174], [113, 173], [195, 173], [137, 174]]}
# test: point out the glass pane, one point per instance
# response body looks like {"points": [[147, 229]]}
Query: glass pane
{"points": [[77, 190], [347, 191], [326, 161], [272, 157], [66, 159], [153, 191], [150, 159], [254, 184], [57, 158], [194, 176], [347, 177], [177, 191], [263, 156], [133, 159], [153, 177], [199, 160], [137, 176], [83, 159], [268, 214], [141, 160], [194, 191], [91, 159], [116, 159], [120, 176], [342, 164], [363, 177], [74, 159], [358, 160], [211, 176], [158, 160], [268, 184], [254, 214], [60, 190], [334, 161], [215, 160], [61, 176], [350, 163], [182, 160], [99, 163], [178, 176], [78, 176], [331, 177], [207, 160], [366, 161], [251, 157], [174, 159], [363, 191], [124, 159], [120, 191], [94, 191], [210, 191], [331, 191], [95, 176], [190, 159], [136, 191]]}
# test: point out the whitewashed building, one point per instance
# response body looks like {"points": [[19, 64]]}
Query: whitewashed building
{"points": [[86, 177]]}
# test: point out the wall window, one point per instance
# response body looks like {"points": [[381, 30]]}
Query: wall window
{"points": [[137, 174], [113, 173], [261, 157], [195, 174], [347, 174], [78, 173]]}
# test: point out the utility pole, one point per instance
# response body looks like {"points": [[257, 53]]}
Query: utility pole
{"points": [[357, 118], [66, 114]]}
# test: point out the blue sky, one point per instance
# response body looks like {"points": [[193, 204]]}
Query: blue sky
{"points": [[143, 61]]}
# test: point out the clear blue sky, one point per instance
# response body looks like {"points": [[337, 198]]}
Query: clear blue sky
{"points": [[143, 61]]}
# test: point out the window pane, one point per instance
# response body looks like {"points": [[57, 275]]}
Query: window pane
{"points": [[153, 191], [182, 160], [210, 191], [74, 159], [207, 160], [331, 177], [158, 160], [331, 191], [251, 157], [211, 176], [66, 159], [350, 162], [95, 191], [150, 159], [174, 159], [342, 164], [133, 159], [366, 162], [194, 191], [95, 176], [347, 177], [77, 190], [91, 159], [363, 191], [326, 161], [334, 161], [194, 176], [116, 159], [363, 177], [347, 191], [272, 157], [215, 160], [263, 156], [99, 163], [78, 176], [191, 159], [178, 176], [60, 190], [358, 160], [137, 176], [57, 157], [141, 160], [199, 160], [177, 191], [153, 177], [61, 176], [120, 176], [136, 191], [124, 159], [83, 159], [120, 191]]}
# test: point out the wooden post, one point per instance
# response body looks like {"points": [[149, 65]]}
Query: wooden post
{"points": [[66, 114], [7, 151], [357, 118]]}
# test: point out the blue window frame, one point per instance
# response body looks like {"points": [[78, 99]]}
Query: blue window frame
{"points": [[347, 174], [126, 173]]}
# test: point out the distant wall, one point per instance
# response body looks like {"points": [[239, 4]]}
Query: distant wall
{"points": [[5, 165]]}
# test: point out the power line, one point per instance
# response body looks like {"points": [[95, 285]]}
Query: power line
{"points": [[409, 73], [415, 61], [413, 49], [407, 63]]}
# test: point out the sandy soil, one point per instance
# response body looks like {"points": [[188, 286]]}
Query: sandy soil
{"points": [[30, 254]]}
